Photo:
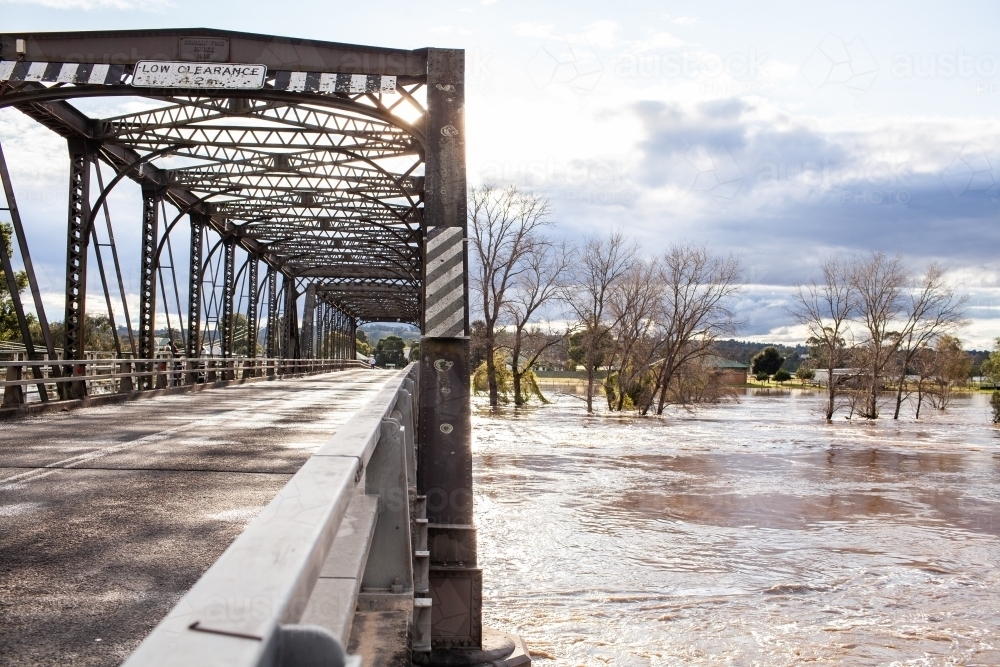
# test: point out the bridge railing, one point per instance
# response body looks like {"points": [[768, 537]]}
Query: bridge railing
{"points": [[27, 381], [284, 593]]}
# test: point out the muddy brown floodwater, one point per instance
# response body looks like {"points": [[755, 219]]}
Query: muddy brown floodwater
{"points": [[742, 534]]}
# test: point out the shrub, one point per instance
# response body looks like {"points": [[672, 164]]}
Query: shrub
{"points": [[782, 376], [804, 373], [995, 404]]}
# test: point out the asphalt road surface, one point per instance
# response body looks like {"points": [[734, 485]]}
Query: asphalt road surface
{"points": [[108, 515]]}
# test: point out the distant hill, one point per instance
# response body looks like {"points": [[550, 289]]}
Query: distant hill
{"points": [[378, 330]]}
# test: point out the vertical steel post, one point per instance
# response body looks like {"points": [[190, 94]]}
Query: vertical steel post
{"points": [[228, 290], [270, 346], [290, 329], [147, 279], [352, 334], [80, 156], [336, 334], [341, 326], [252, 306], [308, 312], [324, 331], [198, 223], [445, 433]]}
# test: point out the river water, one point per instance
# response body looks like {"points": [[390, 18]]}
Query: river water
{"points": [[741, 534]]}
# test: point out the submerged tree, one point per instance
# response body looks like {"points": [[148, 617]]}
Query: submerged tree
{"points": [[540, 282], [951, 368], [504, 380], [697, 289], [599, 267], [826, 308], [504, 226], [879, 283], [932, 310], [634, 310]]}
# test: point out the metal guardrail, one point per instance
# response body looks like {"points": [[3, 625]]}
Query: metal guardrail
{"points": [[26, 381], [284, 593]]}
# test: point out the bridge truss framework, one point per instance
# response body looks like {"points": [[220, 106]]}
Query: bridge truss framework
{"points": [[335, 191]]}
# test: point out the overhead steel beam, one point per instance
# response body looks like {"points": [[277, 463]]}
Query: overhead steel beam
{"points": [[277, 53], [346, 271]]}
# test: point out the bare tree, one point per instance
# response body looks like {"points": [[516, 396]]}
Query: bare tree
{"points": [[932, 309], [880, 283], [697, 288], [599, 266], [505, 225], [952, 366], [633, 307], [825, 308], [540, 281]]}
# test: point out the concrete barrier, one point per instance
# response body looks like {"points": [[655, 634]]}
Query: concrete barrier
{"points": [[284, 593]]}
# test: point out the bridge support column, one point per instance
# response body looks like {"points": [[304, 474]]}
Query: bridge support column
{"points": [[444, 470], [81, 154], [194, 288], [228, 297]]}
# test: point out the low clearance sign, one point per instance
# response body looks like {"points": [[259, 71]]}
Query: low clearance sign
{"points": [[160, 74]]}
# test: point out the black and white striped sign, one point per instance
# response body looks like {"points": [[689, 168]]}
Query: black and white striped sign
{"points": [[444, 294], [318, 82], [169, 75], [78, 73]]}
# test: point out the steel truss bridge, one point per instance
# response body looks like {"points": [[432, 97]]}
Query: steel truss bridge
{"points": [[299, 187]]}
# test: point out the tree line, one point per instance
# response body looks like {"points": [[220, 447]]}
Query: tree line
{"points": [[653, 320], [874, 325], [876, 328]]}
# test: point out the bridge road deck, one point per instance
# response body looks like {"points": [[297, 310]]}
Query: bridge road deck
{"points": [[108, 515]]}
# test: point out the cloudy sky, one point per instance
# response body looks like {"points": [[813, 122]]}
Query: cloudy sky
{"points": [[780, 132]]}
